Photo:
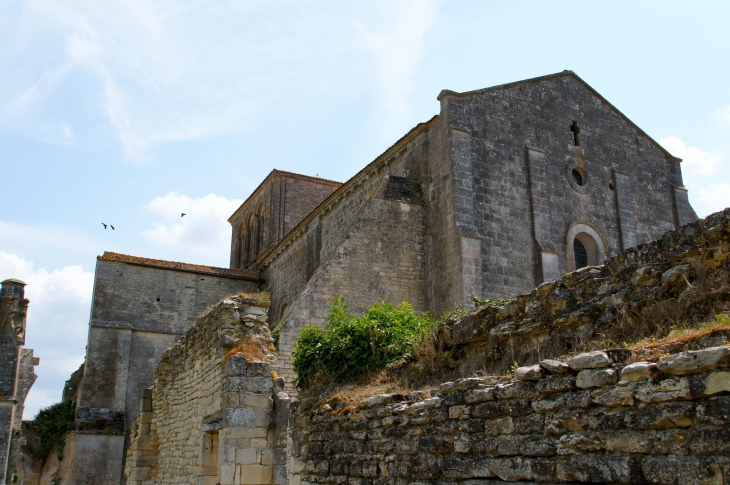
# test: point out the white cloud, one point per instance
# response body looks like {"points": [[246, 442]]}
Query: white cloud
{"points": [[57, 323], [695, 162], [204, 231], [398, 49], [713, 197]]}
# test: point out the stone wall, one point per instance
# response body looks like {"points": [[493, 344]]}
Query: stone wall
{"points": [[140, 307], [514, 151], [277, 205], [590, 304], [288, 267], [587, 420], [209, 417], [382, 258]]}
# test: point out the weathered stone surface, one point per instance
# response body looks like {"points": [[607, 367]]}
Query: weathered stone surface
{"points": [[555, 366], [694, 362], [595, 378], [590, 360], [638, 371], [529, 373]]}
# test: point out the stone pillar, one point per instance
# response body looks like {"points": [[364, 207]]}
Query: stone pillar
{"points": [[547, 264], [13, 311], [247, 437], [683, 212], [470, 251], [625, 208]]}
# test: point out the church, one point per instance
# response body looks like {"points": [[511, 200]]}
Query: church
{"points": [[505, 188]]}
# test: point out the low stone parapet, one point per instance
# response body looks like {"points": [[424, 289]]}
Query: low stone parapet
{"points": [[587, 420]]}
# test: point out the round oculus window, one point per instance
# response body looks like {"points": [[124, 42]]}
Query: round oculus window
{"points": [[577, 178]]}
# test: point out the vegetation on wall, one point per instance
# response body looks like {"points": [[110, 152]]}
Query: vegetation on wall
{"points": [[52, 423], [348, 346]]}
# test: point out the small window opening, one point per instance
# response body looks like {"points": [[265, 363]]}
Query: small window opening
{"points": [[158, 299], [578, 178], [581, 255], [575, 128], [610, 186]]}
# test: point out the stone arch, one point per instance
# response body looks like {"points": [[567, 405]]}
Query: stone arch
{"points": [[240, 237], [584, 237]]}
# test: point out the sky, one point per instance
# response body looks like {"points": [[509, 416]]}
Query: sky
{"points": [[129, 112]]}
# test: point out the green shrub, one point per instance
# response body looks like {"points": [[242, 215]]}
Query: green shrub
{"points": [[54, 422], [349, 346]]}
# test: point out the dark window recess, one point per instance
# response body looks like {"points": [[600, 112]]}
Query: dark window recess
{"points": [[581, 255], [578, 178], [610, 186], [158, 299], [576, 133]]}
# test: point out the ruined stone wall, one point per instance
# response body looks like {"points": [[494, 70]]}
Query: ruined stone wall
{"points": [[514, 154], [207, 418], [139, 307], [687, 268], [585, 420]]}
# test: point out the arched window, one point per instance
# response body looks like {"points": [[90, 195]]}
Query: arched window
{"points": [[259, 242], [248, 250], [585, 251], [240, 257], [585, 247]]}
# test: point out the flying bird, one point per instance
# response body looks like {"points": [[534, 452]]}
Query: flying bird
{"points": [[111, 227], [182, 214], [103, 225]]}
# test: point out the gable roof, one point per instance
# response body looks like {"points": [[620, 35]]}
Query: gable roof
{"points": [[177, 266], [280, 173], [567, 73]]}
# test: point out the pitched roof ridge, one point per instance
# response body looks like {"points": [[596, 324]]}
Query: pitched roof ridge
{"points": [[176, 265], [566, 72]]}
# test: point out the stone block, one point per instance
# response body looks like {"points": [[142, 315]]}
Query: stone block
{"points": [[616, 396], [555, 366], [555, 383], [599, 468], [681, 470], [239, 417], [660, 416], [590, 360], [637, 372], [666, 390], [529, 373], [254, 474], [694, 362], [240, 432], [247, 456], [590, 378]]}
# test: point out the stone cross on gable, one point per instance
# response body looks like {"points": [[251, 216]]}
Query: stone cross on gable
{"points": [[575, 128]]}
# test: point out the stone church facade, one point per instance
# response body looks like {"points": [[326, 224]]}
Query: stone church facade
{"points": [[505, 188]]}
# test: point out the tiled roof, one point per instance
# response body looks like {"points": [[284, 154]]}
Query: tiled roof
{"points": [[174, 265]]}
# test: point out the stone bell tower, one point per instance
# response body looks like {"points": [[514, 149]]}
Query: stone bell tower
{"points": [[13, 311]]}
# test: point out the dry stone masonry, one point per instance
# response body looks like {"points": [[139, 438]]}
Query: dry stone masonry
{"points": [[214, 414], [590, 421], [583, 305]]}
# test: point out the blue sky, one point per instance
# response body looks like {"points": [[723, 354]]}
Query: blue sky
{"points": [[130, 112]]}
